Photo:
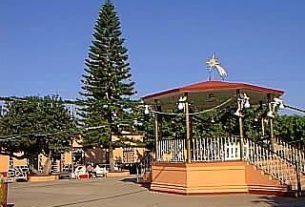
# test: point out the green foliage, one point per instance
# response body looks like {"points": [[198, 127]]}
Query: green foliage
{"points": [[252, 123], [107, 86], [145, 125], [290, 128], [173, 126], [223, 122], [36, 125], [212, 124]]}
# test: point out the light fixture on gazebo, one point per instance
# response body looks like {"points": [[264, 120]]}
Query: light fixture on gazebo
{"points": [[212, 120], [146, 111], [246, 100], [181, 102], [277, 103], [270, 113], [238, 112], [243, 103]]}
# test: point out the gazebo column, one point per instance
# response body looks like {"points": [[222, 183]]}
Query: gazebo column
{"points": [[262, 122], [156, 136], [188, 133], [271, 121], [263, 127], [157, 129], [241, 126]]}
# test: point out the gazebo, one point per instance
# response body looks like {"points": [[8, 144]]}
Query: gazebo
{"points": [[213, 164]]}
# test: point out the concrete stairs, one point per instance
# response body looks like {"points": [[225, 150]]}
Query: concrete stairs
{"points": [[284, 172]]}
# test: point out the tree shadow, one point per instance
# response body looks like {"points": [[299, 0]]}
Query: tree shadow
{"points": [[134, 180], [129, 180], [281, 201]]}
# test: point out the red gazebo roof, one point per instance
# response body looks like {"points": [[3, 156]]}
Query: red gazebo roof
{"points": [[214, 86], [208, 94]]}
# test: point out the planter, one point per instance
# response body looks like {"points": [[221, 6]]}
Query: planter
{"points": [[42, 178], [118, 174], [84, 176]]}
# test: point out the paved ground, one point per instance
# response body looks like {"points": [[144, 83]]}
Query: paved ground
{"points": [[112, 192]]}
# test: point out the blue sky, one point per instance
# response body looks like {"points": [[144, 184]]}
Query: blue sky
{"points": [[43, 43]]}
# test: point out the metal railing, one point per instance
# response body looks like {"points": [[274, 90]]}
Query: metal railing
{"points": [[292, 153], [171, 150], [203, 149], [216, 149], [282, 162], [144, 166], [273, 164]]}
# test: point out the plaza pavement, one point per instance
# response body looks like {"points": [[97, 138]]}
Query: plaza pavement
{"points": [[113, 192]]}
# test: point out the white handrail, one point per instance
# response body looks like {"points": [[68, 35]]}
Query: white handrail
{"points": [[290, 152], [271, 163]]}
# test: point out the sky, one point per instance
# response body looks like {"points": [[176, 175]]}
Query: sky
{"points": [[43, 43]]}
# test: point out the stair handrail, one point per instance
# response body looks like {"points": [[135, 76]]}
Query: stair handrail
{"points": [[290, 152], [263, 158], [144, 165]]}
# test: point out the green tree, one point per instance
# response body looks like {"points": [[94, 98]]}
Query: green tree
{"points": [[290, 128], [107, 87], [35, 125]]}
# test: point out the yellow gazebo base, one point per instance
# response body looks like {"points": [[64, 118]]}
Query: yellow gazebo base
{"points": [[212, 178]]}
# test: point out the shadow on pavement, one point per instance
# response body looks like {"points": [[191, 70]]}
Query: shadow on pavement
{"points": [[281, 201], [85, 202], [129, 180], [134, 180]]}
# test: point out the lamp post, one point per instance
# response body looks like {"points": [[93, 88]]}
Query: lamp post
{"points": [[188, 133], [157, 130], [270, 106], [242, 103], [184, 105]]}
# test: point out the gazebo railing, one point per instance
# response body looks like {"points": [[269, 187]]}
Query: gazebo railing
{"points": [[171, 150], [203, 149], [216, 149], [221, 149]]}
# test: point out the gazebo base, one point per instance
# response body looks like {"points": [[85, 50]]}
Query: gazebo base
{"points": [[212, 177]]}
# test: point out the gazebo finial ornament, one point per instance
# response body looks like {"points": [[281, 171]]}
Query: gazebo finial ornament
{"points": [[213, 63]]}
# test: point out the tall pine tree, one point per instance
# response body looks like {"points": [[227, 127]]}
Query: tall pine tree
{"points": [[107, 86]]}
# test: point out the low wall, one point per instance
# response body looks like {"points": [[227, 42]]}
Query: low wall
{"points": [[42, 178], [216, 177], [118, 174]]}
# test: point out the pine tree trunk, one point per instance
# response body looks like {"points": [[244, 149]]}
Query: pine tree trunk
{"points": [[111, 160]]}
